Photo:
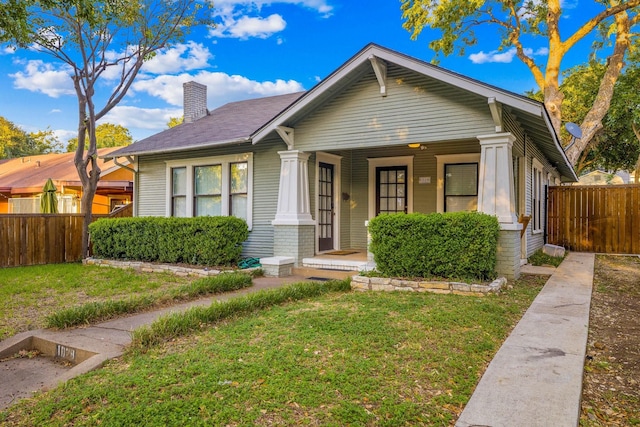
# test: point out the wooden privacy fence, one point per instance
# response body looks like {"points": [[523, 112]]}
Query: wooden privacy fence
{"points": [[32, 239], [604, 219]]}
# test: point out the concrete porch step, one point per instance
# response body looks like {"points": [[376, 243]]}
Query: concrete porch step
{"points": [[337, 264]]}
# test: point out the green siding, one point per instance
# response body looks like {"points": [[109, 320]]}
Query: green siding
{"points": [[525, 147], [151, 197], [416, 109]]}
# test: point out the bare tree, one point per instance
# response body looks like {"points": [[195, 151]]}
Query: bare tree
{"points": [[96, 39]]}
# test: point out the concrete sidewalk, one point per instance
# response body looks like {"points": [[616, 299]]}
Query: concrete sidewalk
{"points": [[535, 379]]}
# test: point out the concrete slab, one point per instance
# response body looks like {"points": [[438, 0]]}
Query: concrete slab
{"points": [[535, 379], [537, 269]]}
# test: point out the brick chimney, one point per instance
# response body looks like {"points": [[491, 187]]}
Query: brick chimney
{"points": [[195, 101]]}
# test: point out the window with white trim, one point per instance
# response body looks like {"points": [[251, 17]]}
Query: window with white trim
{"points": [[460, 187], [212, 186], [537, 196], [179, 191]]}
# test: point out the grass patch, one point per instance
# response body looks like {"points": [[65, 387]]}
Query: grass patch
{"points": [[102, 310], [177, 324], [540, 258], [30, 294], [339, 358]]}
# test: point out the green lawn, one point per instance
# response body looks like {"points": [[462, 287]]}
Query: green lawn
{"points": [[386, 359], [30, 294]]}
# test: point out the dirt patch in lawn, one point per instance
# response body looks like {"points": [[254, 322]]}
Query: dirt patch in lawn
{"points": [[611, 383]]}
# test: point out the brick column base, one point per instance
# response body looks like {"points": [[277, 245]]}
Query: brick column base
{"points": [[296, 241], [508, 264]]}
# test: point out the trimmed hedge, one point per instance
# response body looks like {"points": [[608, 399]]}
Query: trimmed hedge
{"points": [[460, 245], [200, 241]]}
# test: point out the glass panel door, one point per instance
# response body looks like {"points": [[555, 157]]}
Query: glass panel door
{"points": [[391, 189], [325, 206]]}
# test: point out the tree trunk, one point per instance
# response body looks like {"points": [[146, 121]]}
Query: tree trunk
{"points": [[636, 173], [592, 122], [86, 163]]}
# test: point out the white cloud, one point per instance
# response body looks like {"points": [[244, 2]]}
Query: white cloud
{"points": [[141, 118], [181, 57], [504, 57], [7, 50], [242, 18], [320, 6], [65, 135], [221, 87], [39, 76], [246, 27], [55, 110]]}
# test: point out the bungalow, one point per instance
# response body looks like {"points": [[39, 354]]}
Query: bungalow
{"points": [[22, 180], [383, 133]]}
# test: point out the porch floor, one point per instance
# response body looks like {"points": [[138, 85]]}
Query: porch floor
{"points": [[356, 261]]}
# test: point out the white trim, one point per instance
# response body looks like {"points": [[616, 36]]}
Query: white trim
{"points": [[537, 165], [336, 161], [225, 161], [389, 161], [522, 200], [380, 69], [444, 159]]}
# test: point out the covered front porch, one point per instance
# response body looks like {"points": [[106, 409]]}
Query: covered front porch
{"points": [[326, 198]]}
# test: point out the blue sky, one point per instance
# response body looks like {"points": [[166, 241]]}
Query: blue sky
{"points": [[259, 48]]}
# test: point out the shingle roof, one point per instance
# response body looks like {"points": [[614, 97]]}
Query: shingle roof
{"points": [[26, 174], [233, 122]]}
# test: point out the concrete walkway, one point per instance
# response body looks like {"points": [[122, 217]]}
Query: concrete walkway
{"points": [[89, 347], [535, 379]]}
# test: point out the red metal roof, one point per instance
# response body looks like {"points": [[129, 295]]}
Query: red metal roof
{"points": [[29, 174]]}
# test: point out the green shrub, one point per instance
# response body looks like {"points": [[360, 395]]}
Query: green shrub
{"points": [[459, 245], [201, 240]]}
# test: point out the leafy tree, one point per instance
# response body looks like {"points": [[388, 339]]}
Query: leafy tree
{"points": [[617, 145], [519, 22], [174, 121], [15, 142], [107, 135], [97, 37], [619, 141]]}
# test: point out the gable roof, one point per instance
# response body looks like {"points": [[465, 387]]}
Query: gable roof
{"points": [[531, 114], [29, 174], [253, 120], [232, 123]]}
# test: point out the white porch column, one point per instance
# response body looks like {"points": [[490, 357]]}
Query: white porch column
{"points": [[293, 196], [496, 194]]}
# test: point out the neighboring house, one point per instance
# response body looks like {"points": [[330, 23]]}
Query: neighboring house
{"points": [[22, 179], [599, 177], [383, 133]]}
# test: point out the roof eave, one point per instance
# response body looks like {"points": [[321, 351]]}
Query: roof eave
{"points": [[176, 149], [556, 140]]}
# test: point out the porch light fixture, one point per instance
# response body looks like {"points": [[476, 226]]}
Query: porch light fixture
{"points": [[415, 145]]}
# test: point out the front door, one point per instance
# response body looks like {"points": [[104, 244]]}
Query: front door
{"points": [[325, 206], [391, 189]]}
